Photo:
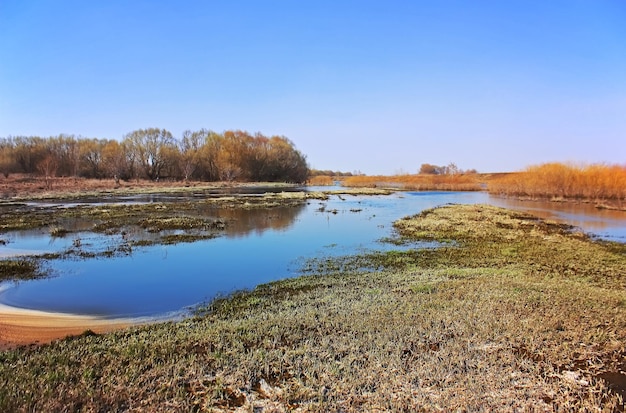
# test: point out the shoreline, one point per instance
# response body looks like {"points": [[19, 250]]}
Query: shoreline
{"points": [[23, 327]]}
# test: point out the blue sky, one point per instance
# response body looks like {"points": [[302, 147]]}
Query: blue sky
{"points": [[375, 86]]}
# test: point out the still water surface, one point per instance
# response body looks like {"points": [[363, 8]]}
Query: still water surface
{"points": [[257, 246]]}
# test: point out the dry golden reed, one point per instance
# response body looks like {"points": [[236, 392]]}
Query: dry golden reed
{"points": [[596, 182], [321, 180], [418, 182]]}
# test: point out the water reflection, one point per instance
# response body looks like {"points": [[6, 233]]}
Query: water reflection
{"points": [[239, 222], [243, 222]]}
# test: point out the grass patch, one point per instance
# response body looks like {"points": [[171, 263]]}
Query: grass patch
{"points": [[180, 238], [515, 314], [171, 223], [20, 269], [58, 232]]}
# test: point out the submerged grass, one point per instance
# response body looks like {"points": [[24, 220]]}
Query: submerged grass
{"points": [[515, 314]]}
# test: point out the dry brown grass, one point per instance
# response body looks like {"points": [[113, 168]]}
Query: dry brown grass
{"points": [[26, 186], [511, 314], [321, 180], [420, 182]]}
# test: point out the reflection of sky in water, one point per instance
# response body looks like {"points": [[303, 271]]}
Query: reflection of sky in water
{"points": [[259, 246], [42, 242]]}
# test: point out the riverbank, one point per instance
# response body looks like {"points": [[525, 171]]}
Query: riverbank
{"points": [[511, 312]]}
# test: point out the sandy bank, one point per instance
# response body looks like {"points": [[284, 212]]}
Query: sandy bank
{"points": [[21, 327]]}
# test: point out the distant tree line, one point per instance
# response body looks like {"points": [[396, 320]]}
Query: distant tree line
{"points": [[156, 154], [450, 169]]}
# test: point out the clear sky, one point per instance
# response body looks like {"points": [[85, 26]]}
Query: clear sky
{"points": [[376, 86]]}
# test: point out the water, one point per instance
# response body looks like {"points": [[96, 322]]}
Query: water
{"points": [[602, 223], [258, 246]]}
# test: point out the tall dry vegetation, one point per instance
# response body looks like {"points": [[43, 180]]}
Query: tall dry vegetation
{"points": [[430, 178], [327, 177], [321, 180], [597, 182], [156, 154], [420, 182]]}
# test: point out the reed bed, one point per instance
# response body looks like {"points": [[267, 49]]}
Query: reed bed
{"points": [[419, 182], [511, 313], [321, 180], [595, 182]]}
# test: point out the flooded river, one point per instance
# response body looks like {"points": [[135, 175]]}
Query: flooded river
{"points": [[257, 246]]}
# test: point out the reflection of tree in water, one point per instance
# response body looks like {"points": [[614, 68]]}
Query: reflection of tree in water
{"points": [[240, 222]]}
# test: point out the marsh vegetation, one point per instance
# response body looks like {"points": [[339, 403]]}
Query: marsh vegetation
{"points": [[507, 312], [429, 178], [602, 184]]}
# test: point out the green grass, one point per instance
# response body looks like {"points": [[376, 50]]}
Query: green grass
{"points": [[515, 314]]}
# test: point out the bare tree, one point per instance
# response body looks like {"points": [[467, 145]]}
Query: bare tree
{"points": [[151, 147], [48, 167]]}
